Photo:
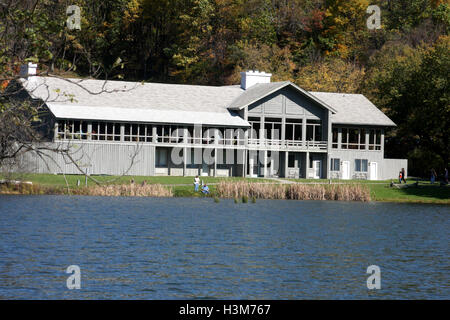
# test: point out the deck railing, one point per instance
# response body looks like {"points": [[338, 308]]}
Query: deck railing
{"points": [[227, 142], [281, 144]]}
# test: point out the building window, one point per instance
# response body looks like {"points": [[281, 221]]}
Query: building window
{"points": [[72, 130], [344, 144], [335, 164], [361, 165], [255, 127], [313, 130], [272, 128], [335, 138], [375, 139], [294, 130], [161, 157], [352, 138]]}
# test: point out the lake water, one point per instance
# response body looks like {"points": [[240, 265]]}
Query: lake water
{"points": [[147, 248]]}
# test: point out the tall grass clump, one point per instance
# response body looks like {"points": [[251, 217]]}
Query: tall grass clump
{"points": [[239, 189], [242, 189], [126, 190], [30, 189]]}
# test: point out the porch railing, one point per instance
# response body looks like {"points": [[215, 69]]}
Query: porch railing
{"points": [[282, 144]]}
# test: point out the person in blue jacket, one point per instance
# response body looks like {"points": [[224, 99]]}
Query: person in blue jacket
{"points": [[205, 189]]}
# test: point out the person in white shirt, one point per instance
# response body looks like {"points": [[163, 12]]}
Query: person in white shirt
{"points": [[196, 183]]}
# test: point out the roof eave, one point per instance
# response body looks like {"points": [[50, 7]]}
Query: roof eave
{"points": [[365, 124]]}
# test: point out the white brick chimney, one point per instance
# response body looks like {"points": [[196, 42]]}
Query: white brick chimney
{"points": [[250, 78]]}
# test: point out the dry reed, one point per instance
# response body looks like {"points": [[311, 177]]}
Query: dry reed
{"points": [[342, 192], [126, 190]]}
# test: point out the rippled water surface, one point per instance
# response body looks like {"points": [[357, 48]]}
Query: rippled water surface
{"points": [[141, 248]]}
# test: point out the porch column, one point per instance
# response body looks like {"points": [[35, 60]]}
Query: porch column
{"points": [[328, 164], [244, 165], [367, 139], [265, 163], [286, 163], [339, 138], [55, 133], [184, 161], [122, 132], [304, 129], [307, 165], [215, 162], [154, 134]]}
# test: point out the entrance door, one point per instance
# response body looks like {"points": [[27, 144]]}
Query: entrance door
{"points": [[317, 166], [345, 170], [373, 171]]}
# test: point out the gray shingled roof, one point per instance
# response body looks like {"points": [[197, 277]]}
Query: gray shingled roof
{"points": [[262, 90], [354, 109], [184, 104], [131, 101]]}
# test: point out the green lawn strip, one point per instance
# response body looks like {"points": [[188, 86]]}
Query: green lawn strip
{"points": [[58, 180]]}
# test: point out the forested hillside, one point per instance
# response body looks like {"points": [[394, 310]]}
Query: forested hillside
{"points": [[321, 45]]}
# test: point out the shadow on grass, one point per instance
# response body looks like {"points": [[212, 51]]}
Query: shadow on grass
{"points": [[428, 191]]}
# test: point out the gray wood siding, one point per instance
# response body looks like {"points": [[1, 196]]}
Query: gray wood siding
{"points": [[100, 158], [387, 168], [256, 108], [274, 104], [289, 103]]}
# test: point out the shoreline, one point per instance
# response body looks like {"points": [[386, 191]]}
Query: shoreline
{"points": [[213, 197]]}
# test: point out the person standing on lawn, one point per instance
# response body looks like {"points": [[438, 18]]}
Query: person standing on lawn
{"points": [[433, 176], [403, 175], [196, 183]]}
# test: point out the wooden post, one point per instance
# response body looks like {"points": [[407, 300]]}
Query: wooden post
{"points": [[184, 161], [244, 163], [286, 164], [155, 139], [265, 163], [307, 165], [215, 162]]}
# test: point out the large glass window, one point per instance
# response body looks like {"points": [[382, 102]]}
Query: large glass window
{"points": [[255, 127], [352, 138], [375, 139], [314, 130], [294, 130], [335, 138], [272, 128]]}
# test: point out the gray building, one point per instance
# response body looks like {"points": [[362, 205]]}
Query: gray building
{"points": [[256, 129]]}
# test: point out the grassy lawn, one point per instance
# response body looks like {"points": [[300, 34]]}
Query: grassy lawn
{"points": [[58, 180], [425, 193]]}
